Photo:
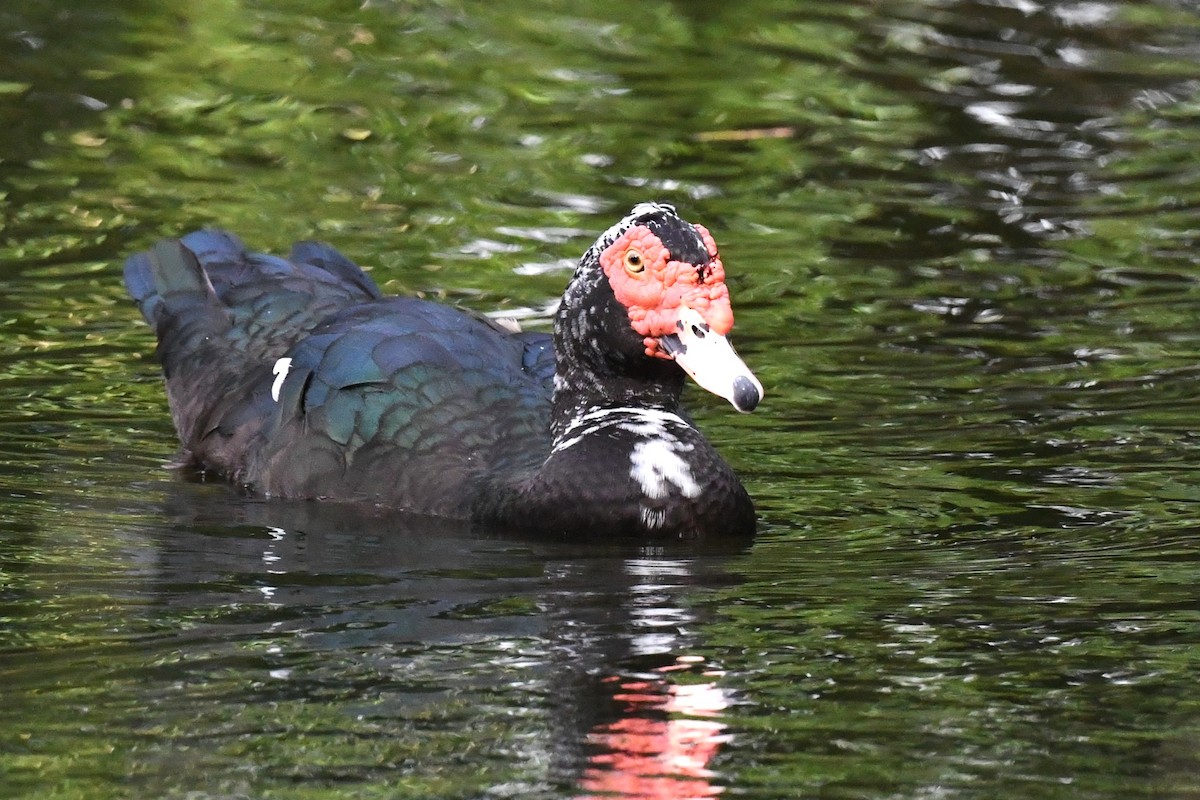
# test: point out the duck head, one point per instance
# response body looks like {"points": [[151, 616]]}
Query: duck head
{"points": [[649, 299]]}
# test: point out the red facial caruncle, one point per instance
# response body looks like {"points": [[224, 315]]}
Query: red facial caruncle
{"points": [[656, 288]]}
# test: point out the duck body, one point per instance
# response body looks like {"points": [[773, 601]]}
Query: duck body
{"points": [[297, 378]]}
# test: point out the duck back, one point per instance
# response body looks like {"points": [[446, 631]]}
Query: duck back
{"points": [[296, 378]]}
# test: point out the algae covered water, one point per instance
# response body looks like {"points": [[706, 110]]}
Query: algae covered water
{"points": [[961, 240]]}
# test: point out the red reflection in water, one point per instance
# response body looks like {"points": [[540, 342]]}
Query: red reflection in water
{"points": [[660, 747]]}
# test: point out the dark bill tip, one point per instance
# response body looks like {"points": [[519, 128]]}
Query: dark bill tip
{"points": [[746, 395]]}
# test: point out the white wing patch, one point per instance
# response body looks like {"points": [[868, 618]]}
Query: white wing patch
{"points": [[280, 371], [656, 465]]}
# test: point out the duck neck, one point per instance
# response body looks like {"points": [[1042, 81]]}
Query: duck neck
{"points": [[575, 396], [595, 371], [589, 379]]}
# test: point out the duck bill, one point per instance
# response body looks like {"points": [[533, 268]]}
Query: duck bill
{"points": [[711, 361]]}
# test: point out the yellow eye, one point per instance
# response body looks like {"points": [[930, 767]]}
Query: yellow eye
{"points": [[634, 263]]}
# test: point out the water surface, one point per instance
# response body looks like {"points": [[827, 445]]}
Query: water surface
{"points": [[961, 239]]}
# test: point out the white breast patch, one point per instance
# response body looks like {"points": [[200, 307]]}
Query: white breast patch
{"points": [[656, 466]]}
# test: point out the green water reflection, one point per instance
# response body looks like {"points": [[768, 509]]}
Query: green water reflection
{"points": [[961, 240]]}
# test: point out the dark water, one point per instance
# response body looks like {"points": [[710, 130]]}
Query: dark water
{"points": [[962, 241]]}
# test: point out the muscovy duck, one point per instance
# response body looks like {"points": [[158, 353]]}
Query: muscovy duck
{"points": [[297, 378]]}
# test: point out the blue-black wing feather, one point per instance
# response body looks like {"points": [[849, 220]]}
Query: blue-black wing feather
{"points": [[427, 395]]}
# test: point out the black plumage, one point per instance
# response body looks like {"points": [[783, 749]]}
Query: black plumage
{"points": [[297, 378]]}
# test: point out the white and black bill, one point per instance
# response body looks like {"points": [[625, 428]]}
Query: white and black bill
{"points": [[711, 361]]}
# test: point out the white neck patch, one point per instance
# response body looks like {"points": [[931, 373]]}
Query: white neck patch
{"points": [[656, 463], [642, 421]]}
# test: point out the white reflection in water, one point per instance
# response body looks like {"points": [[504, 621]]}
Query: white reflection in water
{"points": [[666, 733], [657, 621]]}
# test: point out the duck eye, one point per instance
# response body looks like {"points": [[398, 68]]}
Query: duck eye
{"points": [[634, 263]]}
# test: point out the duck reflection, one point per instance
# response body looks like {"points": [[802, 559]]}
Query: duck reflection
{"points": [[665, 727], [599, 641], [663, 739]]}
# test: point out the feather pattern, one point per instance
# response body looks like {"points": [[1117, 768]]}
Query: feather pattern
{"points": [[297, 378]]}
